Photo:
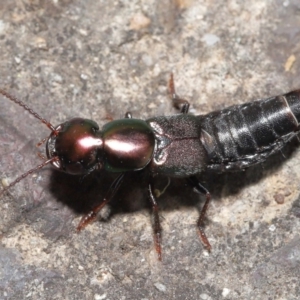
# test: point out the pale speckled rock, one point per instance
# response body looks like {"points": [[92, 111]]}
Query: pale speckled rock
{"points": [[85, 58]]}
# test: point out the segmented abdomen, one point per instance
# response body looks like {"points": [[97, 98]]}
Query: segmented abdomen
{"points": [[246, 134]]}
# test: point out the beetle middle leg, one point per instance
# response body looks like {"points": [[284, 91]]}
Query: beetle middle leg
{"points": [[179, 103], [156, 223], [184, 105]]}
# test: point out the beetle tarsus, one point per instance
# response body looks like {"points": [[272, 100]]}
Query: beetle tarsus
{"points": [[87, 219]]}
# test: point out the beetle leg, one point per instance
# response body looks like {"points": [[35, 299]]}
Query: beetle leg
{"points": [[199, 188], [179, 103], [156, 223], [92, 215], [128, 115]]}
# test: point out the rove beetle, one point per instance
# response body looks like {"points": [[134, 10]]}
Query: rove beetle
{"points": [[181, 145]]}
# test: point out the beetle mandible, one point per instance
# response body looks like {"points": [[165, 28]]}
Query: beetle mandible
{"points": [[180, 145]]}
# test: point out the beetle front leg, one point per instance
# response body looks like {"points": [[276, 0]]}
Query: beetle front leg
{"points": [[179, 103], [92, 215], [156, 223], [198, 187]]}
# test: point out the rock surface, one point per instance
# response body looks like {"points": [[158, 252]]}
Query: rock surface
{"points": [[99, 59]]}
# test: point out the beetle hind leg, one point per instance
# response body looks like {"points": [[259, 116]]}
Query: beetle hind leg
{"points": [[199, 188]]}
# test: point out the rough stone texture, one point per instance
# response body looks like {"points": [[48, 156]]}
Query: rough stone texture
{"points": [[99, 59]]}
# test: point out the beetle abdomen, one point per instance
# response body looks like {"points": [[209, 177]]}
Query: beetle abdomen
{"points": [[246, 134]]}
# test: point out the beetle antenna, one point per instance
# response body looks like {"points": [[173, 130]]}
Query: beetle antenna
{"points": [[31, 111], [28, 173]]}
